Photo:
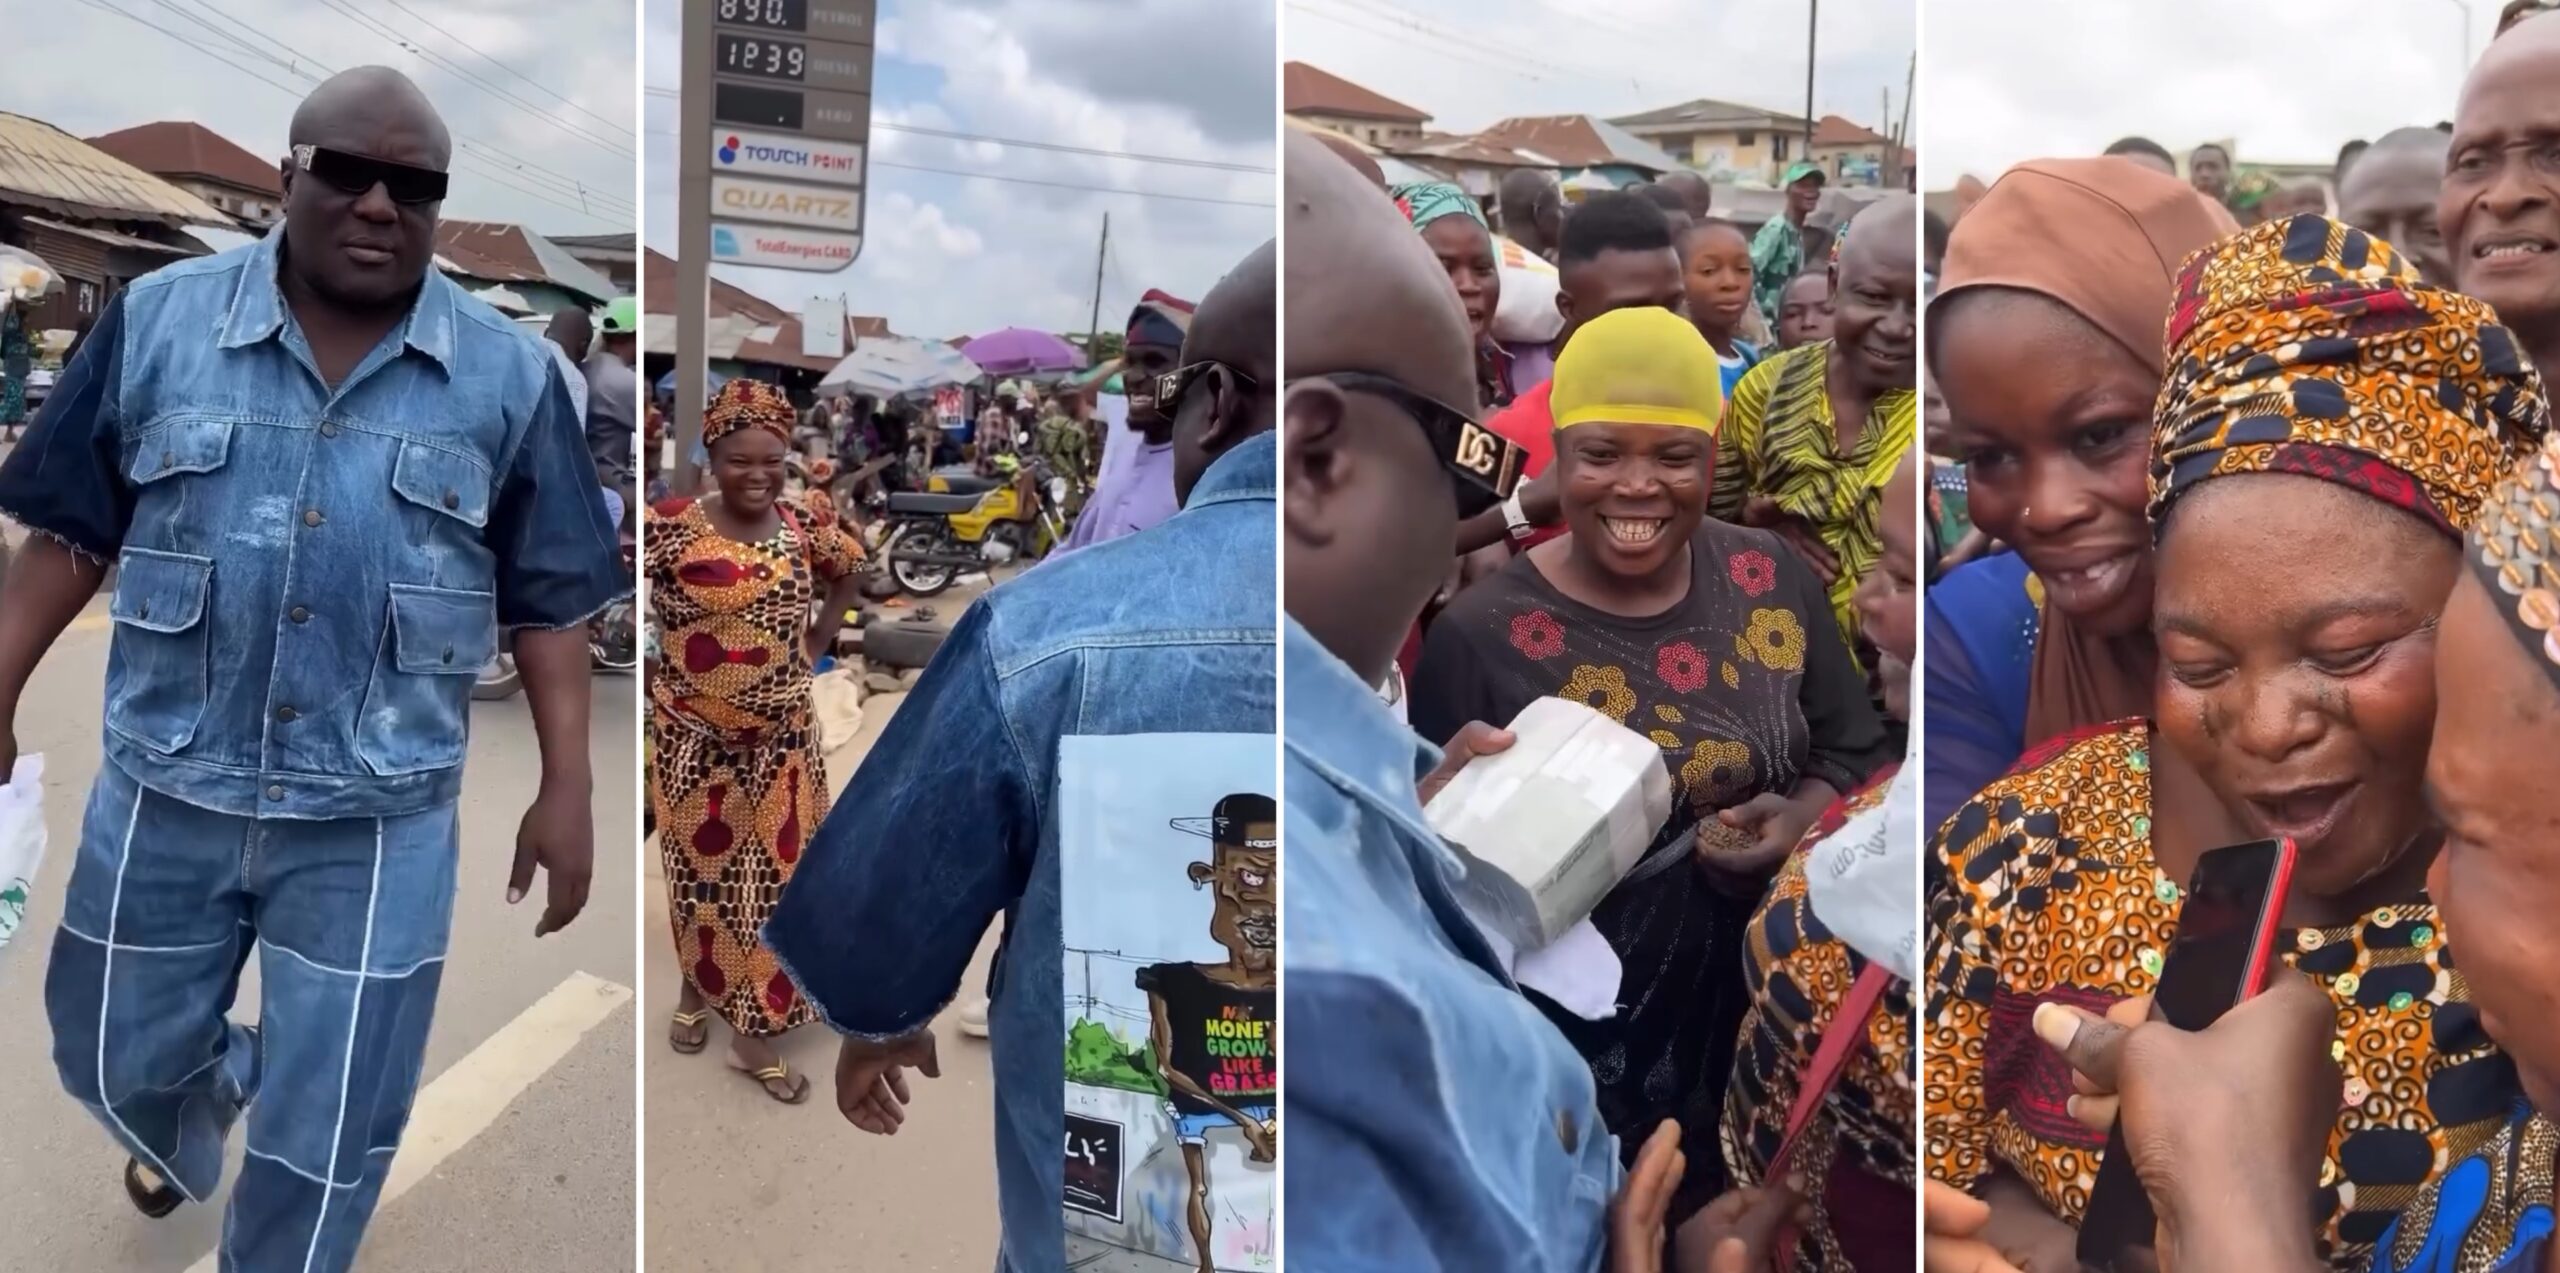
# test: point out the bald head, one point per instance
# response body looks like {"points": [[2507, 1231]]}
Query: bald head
{"points": [[351, 249], [1695, 194], [1361, 161], [1875, 294], [366, 103], [2499, 189], [2390, 192], [1365, 293], [1532, 209], [1236, 326]]}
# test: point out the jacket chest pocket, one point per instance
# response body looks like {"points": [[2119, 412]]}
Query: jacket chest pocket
{"points": [[448, 484], [161, 677], [180, 448], [417, 710]]}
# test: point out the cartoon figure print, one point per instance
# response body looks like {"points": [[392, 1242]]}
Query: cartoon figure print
{"points": [[1214, 1027]]}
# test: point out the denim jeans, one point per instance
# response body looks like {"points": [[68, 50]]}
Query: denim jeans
{"points": [[349, 918]]}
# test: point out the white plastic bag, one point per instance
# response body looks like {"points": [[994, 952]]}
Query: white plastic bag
{"points": [[21, 842]]}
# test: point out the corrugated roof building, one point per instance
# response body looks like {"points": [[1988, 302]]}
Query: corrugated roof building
{"points": [[540, 271], [1322, 97], [203, 163], [99, 221]]}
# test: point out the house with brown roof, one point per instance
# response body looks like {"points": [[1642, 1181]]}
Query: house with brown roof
{"points": [[616, 256], [1724, 139], [537, 275], [1583, 146], [1327, 100], [204, 163], [1856, 155], [97, 220]]}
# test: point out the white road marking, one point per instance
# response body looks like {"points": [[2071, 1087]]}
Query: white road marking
{"points": [[463, 1101]]}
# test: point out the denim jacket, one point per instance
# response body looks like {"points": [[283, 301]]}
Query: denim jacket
{"points": [[307, 581], [1436, 1120], [953, 818]]}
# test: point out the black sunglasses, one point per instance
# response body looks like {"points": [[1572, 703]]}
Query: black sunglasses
{"points": [[1484, 465], [1170, 386], [359, 174]]}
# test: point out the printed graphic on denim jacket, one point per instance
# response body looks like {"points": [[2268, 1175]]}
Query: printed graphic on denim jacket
{"points": [[1169, 869]]}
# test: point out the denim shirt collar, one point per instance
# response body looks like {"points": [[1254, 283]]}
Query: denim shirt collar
{"points": [[1354, 735], [1249, 470], [258, 307]]}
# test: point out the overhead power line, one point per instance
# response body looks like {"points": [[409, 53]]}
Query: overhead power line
{"points": [[1060, 147], [470, 161]]}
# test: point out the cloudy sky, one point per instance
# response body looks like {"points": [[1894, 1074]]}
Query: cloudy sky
{"points": [[553, 151], [2004, 80], [954, 255], [1473, 62]]}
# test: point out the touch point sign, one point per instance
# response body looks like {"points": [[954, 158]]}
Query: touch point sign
{"points": [[785, 203], [753, 154]]}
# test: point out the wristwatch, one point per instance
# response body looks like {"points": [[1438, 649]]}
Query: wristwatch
{"points": [[1516, 517]]}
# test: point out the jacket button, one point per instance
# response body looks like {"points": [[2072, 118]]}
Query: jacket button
{"points": [[275, 793], [168, 458], [448, 654], [311, 517], [328, 428], [300, 615], [142, 611], [1566, 1133], [452, 500], [286, 713]]}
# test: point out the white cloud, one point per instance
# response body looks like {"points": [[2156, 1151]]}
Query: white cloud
{"points": [[2288, 80], [951, 255], [94, 72], [1553, 57]]}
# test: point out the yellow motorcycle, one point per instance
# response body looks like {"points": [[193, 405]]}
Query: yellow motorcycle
{"points": [[965, 522]]}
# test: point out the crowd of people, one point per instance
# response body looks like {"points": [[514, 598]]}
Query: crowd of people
{"points": [[1662, 511], [2246, 501]]}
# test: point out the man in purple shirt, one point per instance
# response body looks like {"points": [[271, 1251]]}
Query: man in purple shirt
{"points": [[1137, 494]]}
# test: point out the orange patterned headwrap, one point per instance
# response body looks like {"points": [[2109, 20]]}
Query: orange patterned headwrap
{"points": [[747, 404], [2305, 346]]}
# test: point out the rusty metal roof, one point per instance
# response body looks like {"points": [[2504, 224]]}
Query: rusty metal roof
{"points": [[50, 169], [504, 253], [184, 148]]}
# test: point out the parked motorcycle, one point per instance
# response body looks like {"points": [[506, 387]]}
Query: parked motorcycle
{"points": [[969, 524], [613, 640]]}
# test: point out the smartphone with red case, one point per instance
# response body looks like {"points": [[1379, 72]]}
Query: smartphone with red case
{"points": [[2222, 955]]}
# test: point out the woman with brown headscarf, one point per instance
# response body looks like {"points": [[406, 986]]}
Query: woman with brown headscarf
{"points": [[2045, 344], [2327, 429]]}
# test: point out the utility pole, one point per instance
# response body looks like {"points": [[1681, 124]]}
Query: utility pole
{"points": [[1812, 24], [1902, 131], [693, 248], [1093, 323]]}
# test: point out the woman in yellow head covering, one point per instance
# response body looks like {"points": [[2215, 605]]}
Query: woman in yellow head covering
{"points": [[1713, 640]]}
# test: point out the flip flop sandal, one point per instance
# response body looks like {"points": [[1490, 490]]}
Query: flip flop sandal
{"points": [[152, 1202], [690, 1021], [776, 1073]]}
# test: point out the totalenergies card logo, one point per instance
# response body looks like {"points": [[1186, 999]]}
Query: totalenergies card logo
{"points": [[729, 149]]}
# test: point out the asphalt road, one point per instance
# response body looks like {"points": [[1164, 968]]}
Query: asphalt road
{"points": [[738, 1183], [519, 1152]]}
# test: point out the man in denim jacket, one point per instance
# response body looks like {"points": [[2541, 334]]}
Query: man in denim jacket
{"points": [[1439, 1120], [326, 478], [954, 817]]}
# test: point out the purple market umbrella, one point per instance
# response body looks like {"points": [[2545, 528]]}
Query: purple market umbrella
{"points": [[1019, 351]]}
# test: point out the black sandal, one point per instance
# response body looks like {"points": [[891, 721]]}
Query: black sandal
{"points": [[154, 1203]]}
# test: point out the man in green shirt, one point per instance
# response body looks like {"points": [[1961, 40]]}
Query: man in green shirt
{"points": [[1777, 254]]}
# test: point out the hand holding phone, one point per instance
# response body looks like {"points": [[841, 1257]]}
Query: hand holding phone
{"points": [[2221, 956]]}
